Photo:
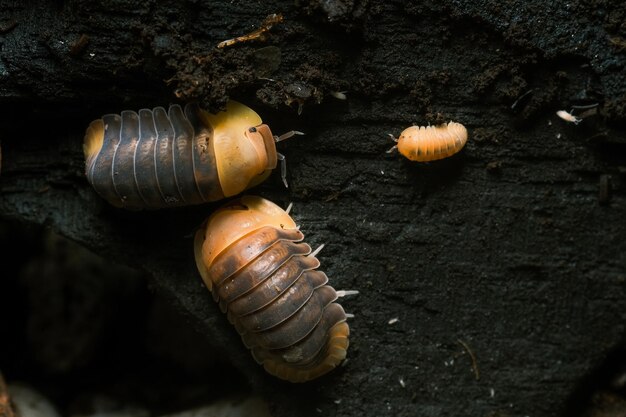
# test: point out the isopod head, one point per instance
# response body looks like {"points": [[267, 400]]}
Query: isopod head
{"points": [[251, 256], [429, 143], [245, 151], [233, 221], [157, 159]]}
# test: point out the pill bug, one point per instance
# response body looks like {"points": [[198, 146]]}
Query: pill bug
{"points": [[155, 159], [251, 257], [421, 143], [568, 117]]}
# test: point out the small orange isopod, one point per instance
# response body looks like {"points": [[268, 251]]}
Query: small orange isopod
{"points": [[429, 143]]}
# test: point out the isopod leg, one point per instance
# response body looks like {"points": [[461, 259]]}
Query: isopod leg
{"points": [[343, 293], [316, 251], [394, 147], [287, 135], [283, 168]]}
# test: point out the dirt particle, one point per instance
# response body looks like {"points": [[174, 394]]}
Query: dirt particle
{"points": [[494, 167]]}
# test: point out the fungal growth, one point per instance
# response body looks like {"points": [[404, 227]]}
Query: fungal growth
{"points": [[156, 159], [423, 144], [251, 257]]}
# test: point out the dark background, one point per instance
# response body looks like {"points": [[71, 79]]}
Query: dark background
{"points": [[514, 248]]}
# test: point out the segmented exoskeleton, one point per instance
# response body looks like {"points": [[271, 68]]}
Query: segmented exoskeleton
{"points": [[429, 143], [155, 159], [251, 257]]}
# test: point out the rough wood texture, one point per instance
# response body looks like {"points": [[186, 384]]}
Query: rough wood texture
{"points": [[512, 250]]}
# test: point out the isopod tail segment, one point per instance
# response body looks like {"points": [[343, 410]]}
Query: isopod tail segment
{"points": [[158, 158], [430, 143], [251, 257]]}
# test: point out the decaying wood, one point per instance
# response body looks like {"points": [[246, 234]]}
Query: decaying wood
{"points": [[521, 260]]}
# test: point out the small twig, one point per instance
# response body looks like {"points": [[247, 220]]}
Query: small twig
{"points": [[6, 27], [602, 134], [472, 357], [588, 113], [516, 102], [585, 107], [619, 42], [267, 24]]}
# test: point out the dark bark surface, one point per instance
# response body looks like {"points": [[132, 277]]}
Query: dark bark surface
{"points": [[512, 252]]}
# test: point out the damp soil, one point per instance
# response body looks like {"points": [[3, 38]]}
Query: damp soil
{"points": [[491, 283]]}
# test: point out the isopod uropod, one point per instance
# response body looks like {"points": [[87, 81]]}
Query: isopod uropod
{"points": [[420, 143], [158, 159], [251, 257]]}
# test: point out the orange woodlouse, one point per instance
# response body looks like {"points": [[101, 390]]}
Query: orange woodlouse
{"points": [[158, 159], [251, 257], [420, 143]]}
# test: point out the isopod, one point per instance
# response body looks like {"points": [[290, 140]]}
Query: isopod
{"points": [[251, 257], [568, 117], [157, 159], [420, 143]]}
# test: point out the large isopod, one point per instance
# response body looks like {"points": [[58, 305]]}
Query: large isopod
{"points": [[251, 257], [429, 143], [157, 158]]}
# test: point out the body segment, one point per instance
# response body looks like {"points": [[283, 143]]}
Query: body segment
{"points": [[157, 158], [251, 256]]}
